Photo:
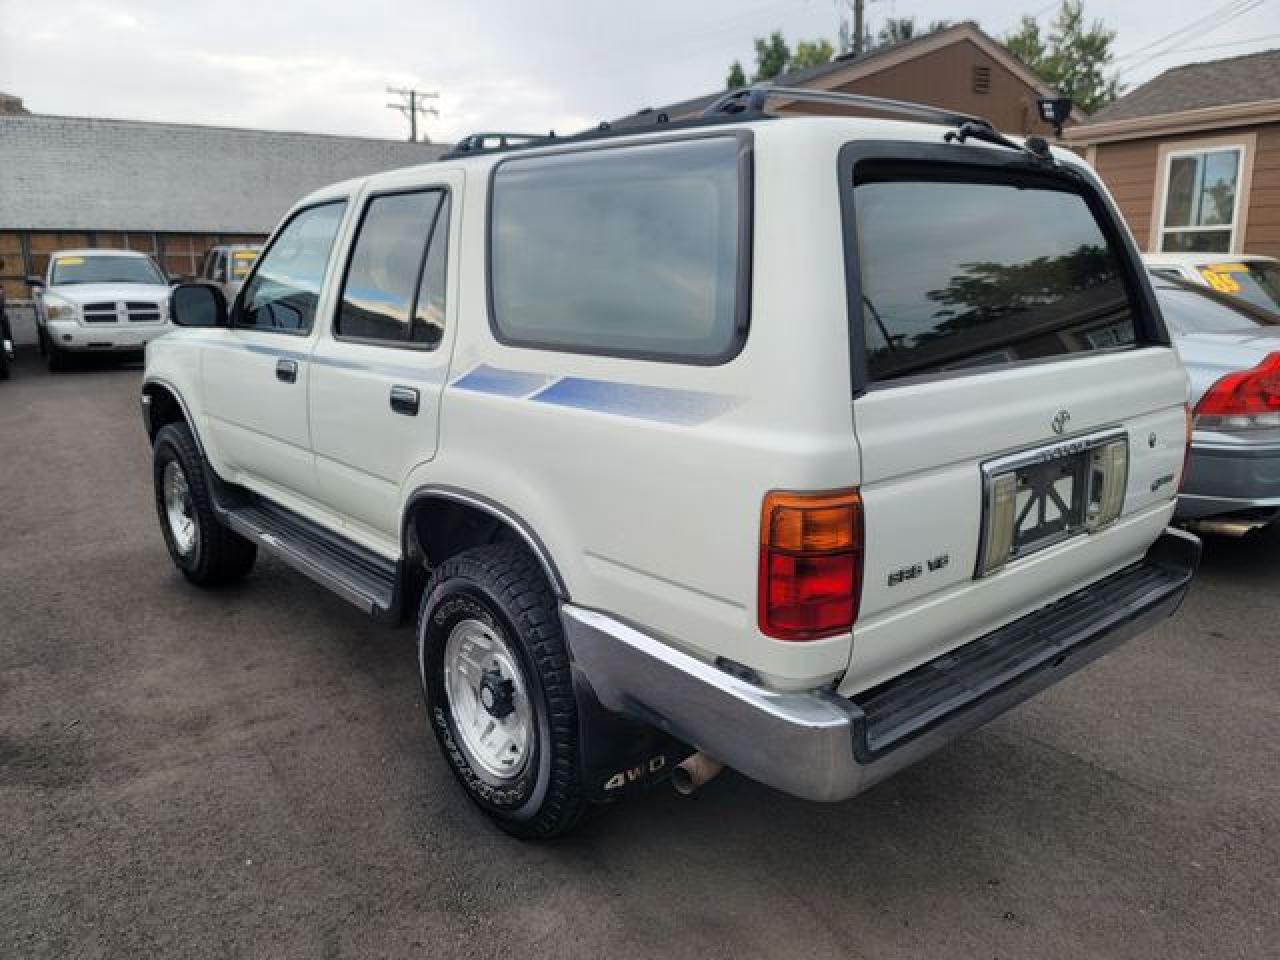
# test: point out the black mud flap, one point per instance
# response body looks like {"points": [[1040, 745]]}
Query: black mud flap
{"points": [[620, 757]]}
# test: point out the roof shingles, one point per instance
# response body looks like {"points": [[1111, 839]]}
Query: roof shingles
{"points": [[1217, 83]]}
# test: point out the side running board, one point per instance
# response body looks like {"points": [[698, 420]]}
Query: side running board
{"points": [[360, 576]]}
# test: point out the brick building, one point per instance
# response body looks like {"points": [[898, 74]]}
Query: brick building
{"points": [[169, 189]]}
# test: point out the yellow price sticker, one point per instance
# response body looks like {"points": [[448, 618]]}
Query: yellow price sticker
{"points": [[1227, 268], [1222, 282], [70, 261], [245, 255]]}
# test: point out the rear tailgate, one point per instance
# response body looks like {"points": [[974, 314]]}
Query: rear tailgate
{"points": [[1021, 422]]}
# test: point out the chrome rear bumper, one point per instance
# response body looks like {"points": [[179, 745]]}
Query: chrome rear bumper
{"points": [[821, 746]]}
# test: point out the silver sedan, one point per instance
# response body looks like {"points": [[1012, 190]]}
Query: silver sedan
{"points": [[1231, 350]]}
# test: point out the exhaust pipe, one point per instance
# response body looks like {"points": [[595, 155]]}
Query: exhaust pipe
{"points": [[692, 772], [1230, 528]]}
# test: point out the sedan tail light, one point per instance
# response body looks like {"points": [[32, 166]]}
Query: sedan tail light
{"points": [[810, 564], [1247, 400]]}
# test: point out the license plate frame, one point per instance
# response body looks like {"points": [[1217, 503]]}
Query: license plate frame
{"points": [[1056, 484]]}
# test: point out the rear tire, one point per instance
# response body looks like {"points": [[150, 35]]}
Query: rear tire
{"points": [[498, 688], [207, 552]]}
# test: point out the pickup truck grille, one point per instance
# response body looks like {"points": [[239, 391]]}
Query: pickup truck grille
{"points": [[133, 311], [143, 312], [100, 313]]}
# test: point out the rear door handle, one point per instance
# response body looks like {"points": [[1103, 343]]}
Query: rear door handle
{"points": [[404, 400], [287, 371]]}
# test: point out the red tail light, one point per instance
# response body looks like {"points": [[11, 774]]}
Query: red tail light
{"points": [[1246, 400], [810, 564]]}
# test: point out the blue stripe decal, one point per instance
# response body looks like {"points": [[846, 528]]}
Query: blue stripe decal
{"points": [[502, 383], [662, 404]]}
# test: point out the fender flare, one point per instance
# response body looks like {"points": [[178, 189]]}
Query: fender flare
{"points": [[509, 517], [145, 400]]}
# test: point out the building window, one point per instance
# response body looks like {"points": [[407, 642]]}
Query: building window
{"points": [[981, 79], [1201, 199]]}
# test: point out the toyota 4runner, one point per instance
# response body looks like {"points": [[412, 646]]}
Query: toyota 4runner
{"points": [[800, 445]]}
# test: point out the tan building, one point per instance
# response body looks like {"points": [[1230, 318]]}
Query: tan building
{"points": [[1193, 156], [959, 68]]}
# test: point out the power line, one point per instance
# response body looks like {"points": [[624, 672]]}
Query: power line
{"points": [[1239, 11], [411, 106], [1228, 43], [1231, 9]]}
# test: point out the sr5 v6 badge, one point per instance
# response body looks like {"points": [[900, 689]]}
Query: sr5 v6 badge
{"points": [[917, 570]]}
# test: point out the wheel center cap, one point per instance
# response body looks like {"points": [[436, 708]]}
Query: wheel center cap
{"points": [[496, 694]]}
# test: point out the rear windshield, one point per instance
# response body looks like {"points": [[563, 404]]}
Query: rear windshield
{"points": [[1257, 281], [962, 274], [1188, 311]]}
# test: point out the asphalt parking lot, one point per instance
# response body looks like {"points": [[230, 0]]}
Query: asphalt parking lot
{"points": [[247, 773]]}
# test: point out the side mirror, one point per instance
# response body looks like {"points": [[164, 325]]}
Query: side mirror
{"points": [[197, 305], [34, 281]]}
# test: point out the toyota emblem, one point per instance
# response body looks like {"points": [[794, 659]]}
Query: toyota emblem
{"points": [[1060, 421]]}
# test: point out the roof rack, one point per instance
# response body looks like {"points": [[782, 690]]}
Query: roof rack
{"points": [[751, 100], [486, 142], [746, 103]]}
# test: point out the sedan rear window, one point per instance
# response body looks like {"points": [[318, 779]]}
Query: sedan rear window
{"points": [[959, 275]]}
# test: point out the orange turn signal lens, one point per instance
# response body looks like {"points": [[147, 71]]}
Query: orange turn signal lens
{"points": [[811, 523]]}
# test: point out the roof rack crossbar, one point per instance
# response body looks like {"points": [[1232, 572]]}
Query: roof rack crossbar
{"points": [[752, 100], [496, 140]]}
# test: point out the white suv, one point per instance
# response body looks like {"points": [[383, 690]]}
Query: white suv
{"points": [[799, 445], [99, 301]]}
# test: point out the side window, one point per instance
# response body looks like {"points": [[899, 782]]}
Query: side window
{"points": [[218, 269], [393, 290], [428, 316], [283, 293], [628, 251]]}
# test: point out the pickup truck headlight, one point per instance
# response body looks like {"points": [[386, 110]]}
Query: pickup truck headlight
{"points": [[56, 308]]}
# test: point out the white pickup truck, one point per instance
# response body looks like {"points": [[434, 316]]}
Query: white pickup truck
{"points": [[99, 301], [798, 445]]}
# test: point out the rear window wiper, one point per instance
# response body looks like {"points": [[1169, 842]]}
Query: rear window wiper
{"points": [[1035, 147]]}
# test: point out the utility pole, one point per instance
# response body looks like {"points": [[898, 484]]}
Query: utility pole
{"points": [[411, 105], [857, 28]]}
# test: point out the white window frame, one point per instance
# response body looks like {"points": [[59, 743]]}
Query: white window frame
{"points": [[1244, 145]]}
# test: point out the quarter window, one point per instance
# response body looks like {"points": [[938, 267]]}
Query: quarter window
{"points": [[631, 251], [283, 293], [392, 276], [1200, 200]]}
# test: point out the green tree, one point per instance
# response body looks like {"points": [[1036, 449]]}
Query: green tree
{"points": [[772, 56], [1073, 58], [811, 54], [896, 29]]}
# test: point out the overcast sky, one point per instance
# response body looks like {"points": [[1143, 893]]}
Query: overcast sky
{"points": [[323, 66]]}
